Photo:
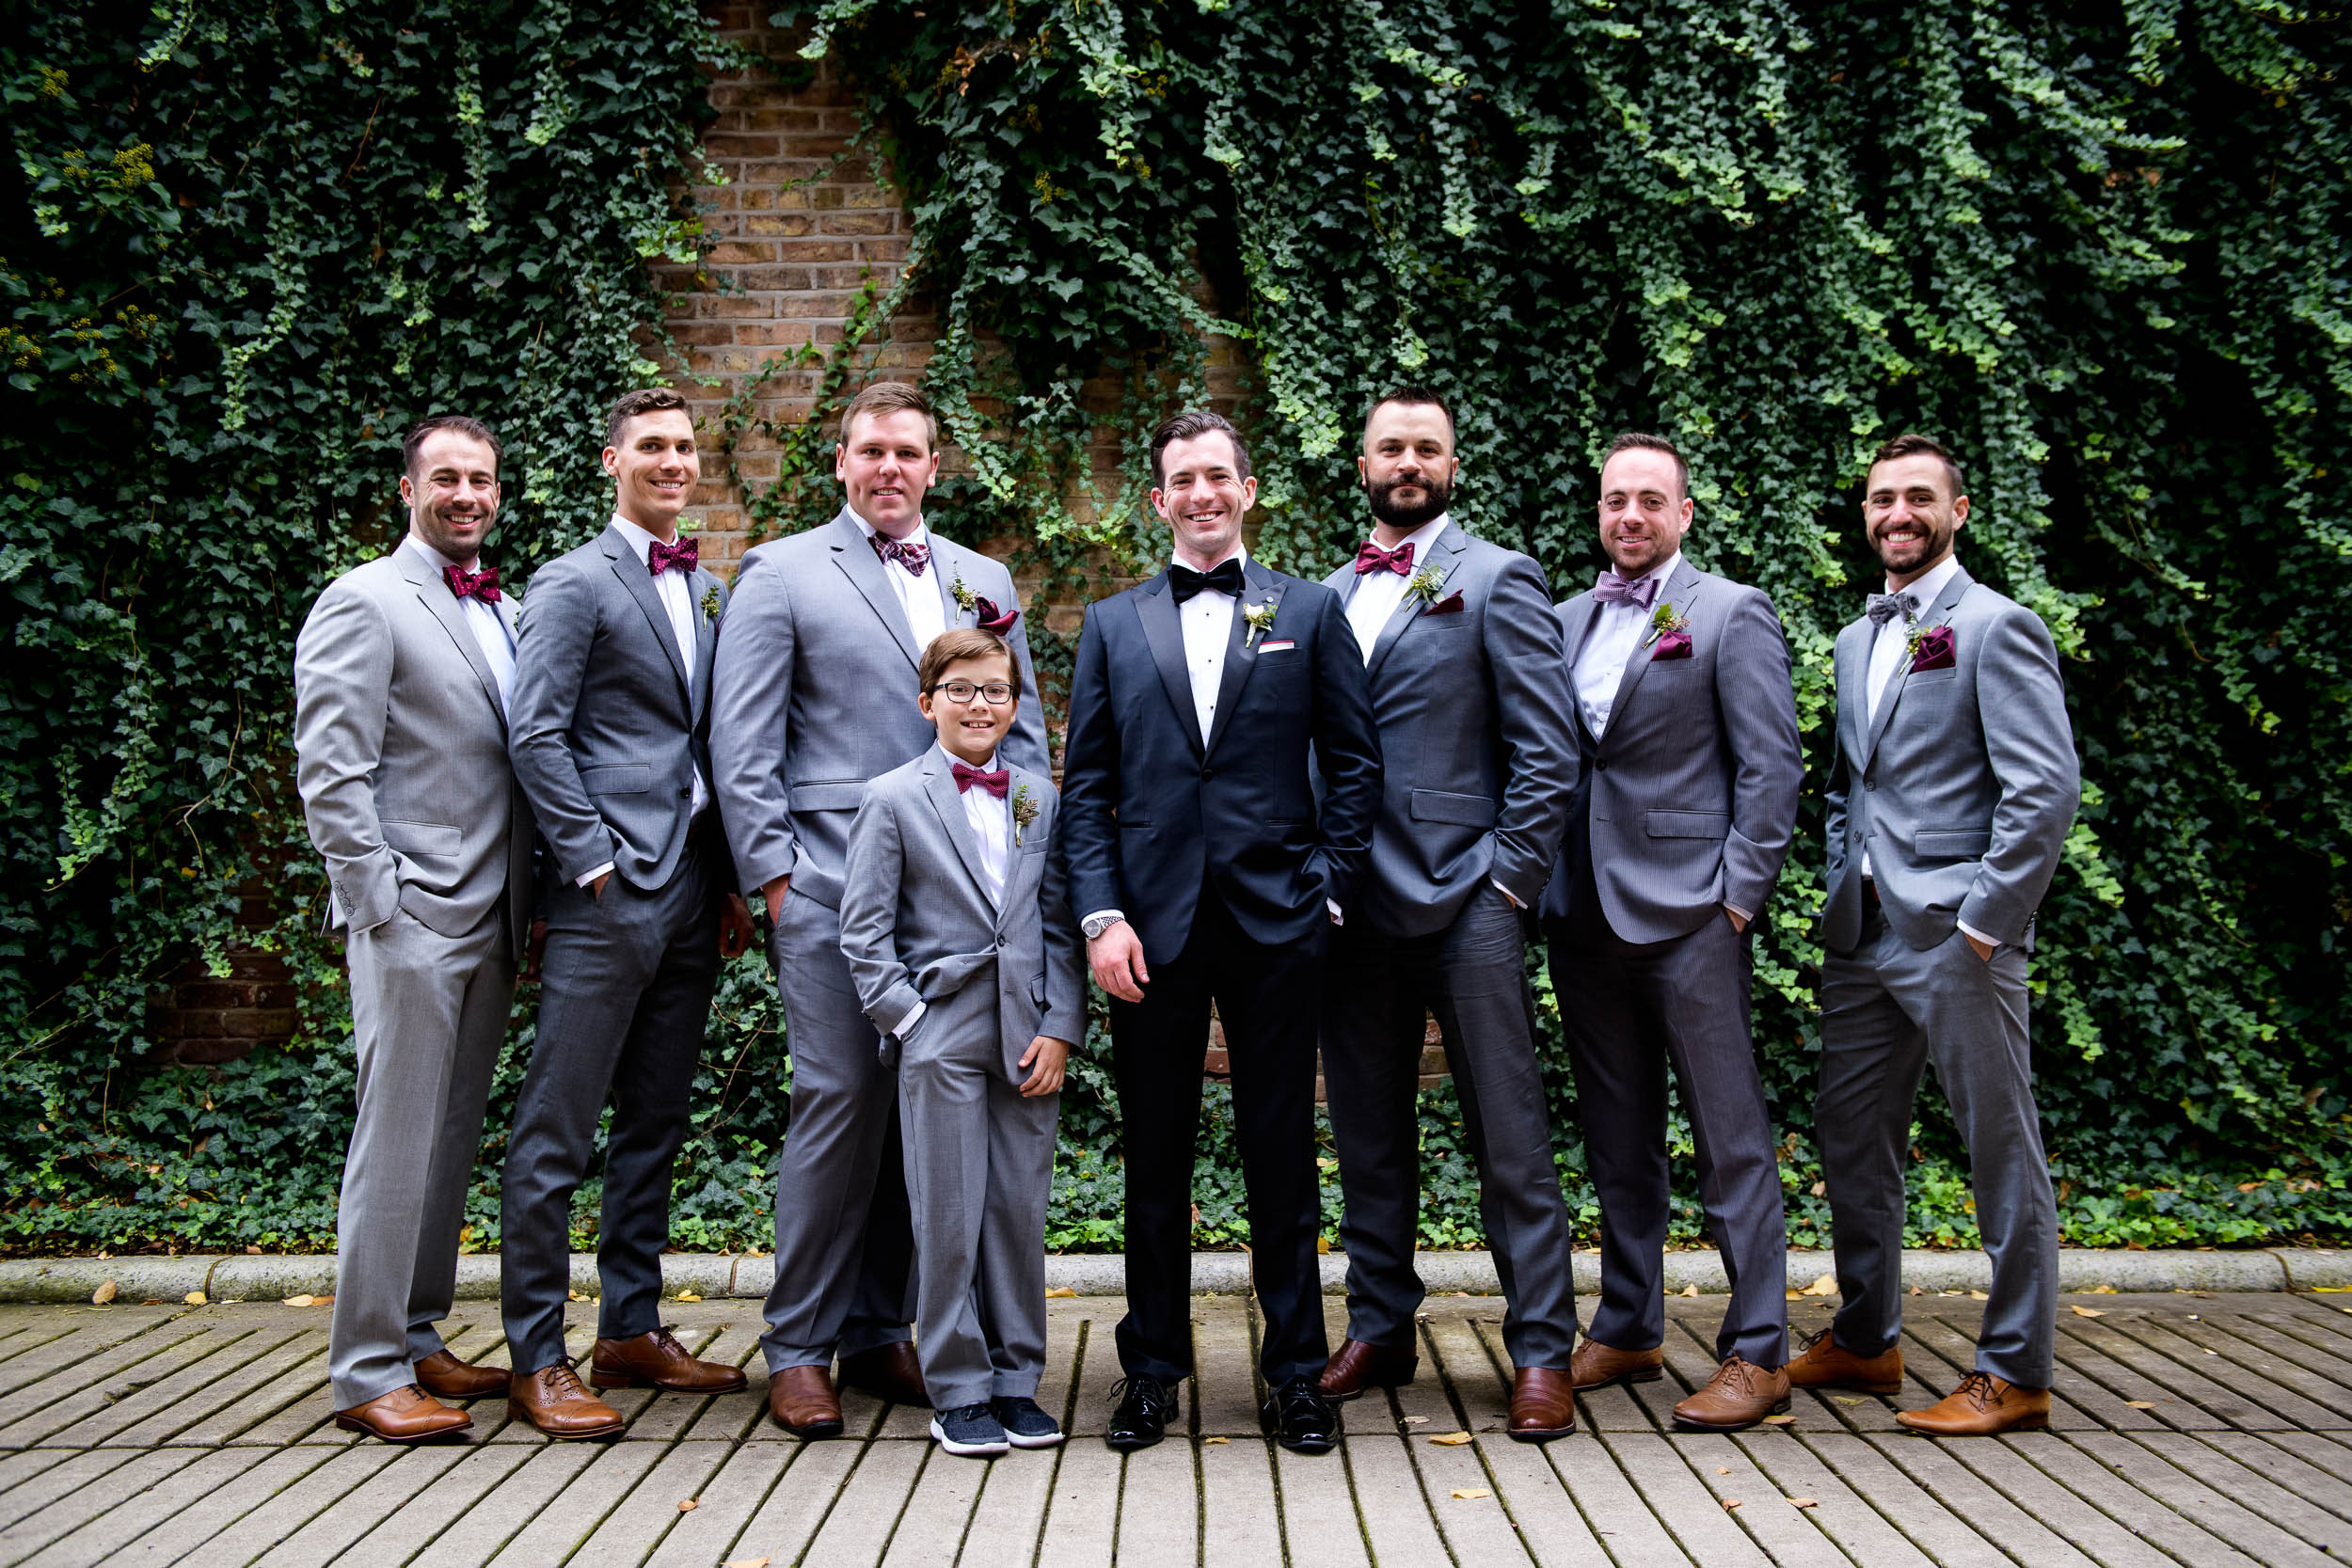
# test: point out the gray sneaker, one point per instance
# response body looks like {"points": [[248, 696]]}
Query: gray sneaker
{"points": [[1025, 1424], [970, 1431]]}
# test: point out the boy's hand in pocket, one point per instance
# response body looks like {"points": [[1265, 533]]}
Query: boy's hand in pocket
{"points": [[1045, 1059]]}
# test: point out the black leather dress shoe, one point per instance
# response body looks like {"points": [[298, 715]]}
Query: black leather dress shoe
{"points": [[1298, 1417], [1140, 1418]]}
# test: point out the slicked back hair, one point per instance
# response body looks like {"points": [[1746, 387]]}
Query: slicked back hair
{"points": [[1641, 440], [958, 643], [1185, 426], [628, 405], [1911, 444], [465, 424], [1413, 396], [891, 397]]}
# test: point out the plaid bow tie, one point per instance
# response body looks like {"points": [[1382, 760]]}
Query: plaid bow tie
{"points": [[995, 784], [1608, 588], [1885, 607], [1372, 558], [907, 553], [482, 585], [684, 555]]}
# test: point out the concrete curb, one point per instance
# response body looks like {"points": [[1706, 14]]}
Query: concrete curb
{"points": [[711, 1276]]}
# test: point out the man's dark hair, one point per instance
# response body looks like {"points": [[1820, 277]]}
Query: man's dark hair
{"points": [[1416, 396], [1911, 444], [628, 405], [1188, 424], [465, 424], [1641, 440]]}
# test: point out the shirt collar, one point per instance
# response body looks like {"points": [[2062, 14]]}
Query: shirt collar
{"points": [[870, 530], [1425, 535], [434, 557], [1930, 584], [1664, 570], [639, 539], [988, 767], [1241, 553]]}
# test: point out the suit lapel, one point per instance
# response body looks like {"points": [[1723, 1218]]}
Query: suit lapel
{"points": [[1155, 607], [1022, 870], [943, 570], [1683, 588], [706, 639], [639, 582], [854, 554], [1239, 657], [1901, 677], [436, 598], [1853, 674], [1452, 544], [1576, 623], [940, 785]]}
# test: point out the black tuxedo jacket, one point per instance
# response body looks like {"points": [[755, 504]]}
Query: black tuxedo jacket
{"points": [[1150, 812]]}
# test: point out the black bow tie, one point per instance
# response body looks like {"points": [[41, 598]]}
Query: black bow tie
{"points": [[1225, 578]]}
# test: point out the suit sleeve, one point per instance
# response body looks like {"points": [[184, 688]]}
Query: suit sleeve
{"points": [[343, 697], [1755, 705], [2021, 700], [1347, 752], [750, 707], [558, 628], [870, 914], [1090, 780], [1065, 954], [1531, 697]]}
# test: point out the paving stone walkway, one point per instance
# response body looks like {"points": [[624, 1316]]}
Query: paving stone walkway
{"points": [[2187, 1428]]}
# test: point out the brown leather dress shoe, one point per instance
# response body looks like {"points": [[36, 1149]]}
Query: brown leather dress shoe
{"points": [[1979, 1407], [1543, 1405], [552, 1400], [1738, 1395], [1594, 1365], [446, 1377], [407, 1414], [803, 1402], [888, 1372], [1823, 1363], [656, 1360], [1356, 1365]]}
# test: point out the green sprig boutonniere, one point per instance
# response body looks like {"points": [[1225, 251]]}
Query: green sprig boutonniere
{"points": [[1023, 811], [965, 597], [710, 602], [1261, 620], [1425, 585], [1665, 621]]}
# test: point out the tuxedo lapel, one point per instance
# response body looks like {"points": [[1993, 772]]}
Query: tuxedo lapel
{"points": [[639, 583], [1155, 607], [1446, 556], [433, 592], [854, 554], [1681, 590], [1241, 657], [1895, 682], [940, 786]]}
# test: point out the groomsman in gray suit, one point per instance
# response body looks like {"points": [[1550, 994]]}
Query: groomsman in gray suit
{"points": [[1682, 816], [824, 640], [1463, 654], [611, 711], [401, 681], [1955, 784]]}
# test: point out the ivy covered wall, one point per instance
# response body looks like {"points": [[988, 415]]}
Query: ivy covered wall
{"points": [[2103, 250]]}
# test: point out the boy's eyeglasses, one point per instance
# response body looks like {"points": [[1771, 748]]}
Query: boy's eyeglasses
{"points": [[997, 693]]}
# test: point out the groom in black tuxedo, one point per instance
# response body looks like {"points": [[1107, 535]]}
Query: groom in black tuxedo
{"points": [[1207, 872]]}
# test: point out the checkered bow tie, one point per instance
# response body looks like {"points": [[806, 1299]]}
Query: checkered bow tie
{"points": [[906, 552]]}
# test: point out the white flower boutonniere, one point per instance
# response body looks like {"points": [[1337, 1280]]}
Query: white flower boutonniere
{"points": [[1425, 585], [1023, 811], [1261, 620]]}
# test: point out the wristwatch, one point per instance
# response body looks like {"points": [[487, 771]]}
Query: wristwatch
{"points": [[1096, 924]]}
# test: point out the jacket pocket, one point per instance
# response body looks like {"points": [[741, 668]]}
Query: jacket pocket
{"points": [[616, 781], [1953, 844], [1688, 824], [422, 838], [835, 795], [1438, 805]]}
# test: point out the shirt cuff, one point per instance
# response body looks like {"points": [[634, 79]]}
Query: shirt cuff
{"points": [[899, 1030], [1746, 916], [1333, 905], [1107, 918], [1508, 893], [587, 877], [1967, 930]]}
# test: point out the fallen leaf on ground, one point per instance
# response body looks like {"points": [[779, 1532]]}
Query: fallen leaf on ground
{"points": [[1796, 1295], [2331, 1289], [1825, 1286], [2140, 1405], [744, 1562], [2103, 1290], [688, 1505], [2086, 1311], [687, 1295], [1780, 1420], [1216, 1439], [299, 1301], [1690, 1290], [1062, 1290], [1845, 1399], [1730, 1503], [1805, 1502], [104, 1293], [1472, 1494], [1323, 1245], [1414, 1422], [194, 1298], [1452, 1439], [1979, 1295], [1723, 1469]]}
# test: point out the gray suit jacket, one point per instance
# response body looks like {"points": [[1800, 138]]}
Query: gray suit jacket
{"points": [[1693, 784], [608, 722], [1968, 779], [1477, 739], [917, 923], [400, 740], [815, 687]]}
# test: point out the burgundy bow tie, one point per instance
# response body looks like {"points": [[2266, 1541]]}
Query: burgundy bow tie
{"points": [[906, 552], [482, 585], [995, 784], [1612, 588], [1372, 558], [684, 555]]}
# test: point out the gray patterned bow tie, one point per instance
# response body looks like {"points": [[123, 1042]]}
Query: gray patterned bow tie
{"points": [[1885, 607], [1612, 588]]}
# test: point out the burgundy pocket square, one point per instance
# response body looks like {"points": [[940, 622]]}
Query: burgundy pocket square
{"points": [[1450, 604], [1673, 644], [1938, 651], [991, 619]]}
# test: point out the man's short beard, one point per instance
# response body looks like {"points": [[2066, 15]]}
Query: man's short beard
{"points": [[1404, 519]]}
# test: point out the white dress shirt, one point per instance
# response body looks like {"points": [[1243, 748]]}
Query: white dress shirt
{"points": [[991, 825], [1886, 656], [1616, 630], [1376, 595], [677, 600], [927, 614], [490, 631]]}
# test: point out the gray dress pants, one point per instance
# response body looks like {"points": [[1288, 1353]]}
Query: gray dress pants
{"points": [[1887, 1010], [428, 1015]]}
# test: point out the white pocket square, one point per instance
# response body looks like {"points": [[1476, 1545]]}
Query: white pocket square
{"points": [[1280, 645]]}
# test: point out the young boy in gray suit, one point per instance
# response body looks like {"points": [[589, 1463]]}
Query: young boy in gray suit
{"points": [[956, 924]]}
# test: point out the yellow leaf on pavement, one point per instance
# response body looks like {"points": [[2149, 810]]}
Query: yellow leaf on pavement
{"points": [[687, 1295], [1062, 1290], [194, 1298], [1453, 1439], [1805, 1502], [2141, 1404], [744, 1562], [1216, 1440], [1825, 1286], [1472, 1494], [2087, 1311], [1730, 1503], [1780, 1420], [299, 1301], [1690, 1290], [1845, 1399], [1979, 1295], [1414, 1422], [688, 1505], [104, 1293]]}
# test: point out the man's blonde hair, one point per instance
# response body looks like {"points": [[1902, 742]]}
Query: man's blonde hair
{"points": [[891, 397]]}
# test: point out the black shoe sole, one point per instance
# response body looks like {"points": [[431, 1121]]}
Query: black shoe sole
{"points": [[1128, 1442], [1544, 1435], [1307, 1445], [815, 1431]]}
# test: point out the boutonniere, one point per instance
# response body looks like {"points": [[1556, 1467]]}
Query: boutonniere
{"points": [[965, 597], [990, 619], [1931, 648], [1424, 586], [710, 602], [1024, 811], [1261, 620], [1669, 631]]}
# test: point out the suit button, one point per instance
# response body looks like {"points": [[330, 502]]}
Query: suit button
{"points": [[1869, 783], [1600, 764], [1208, 773]]}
